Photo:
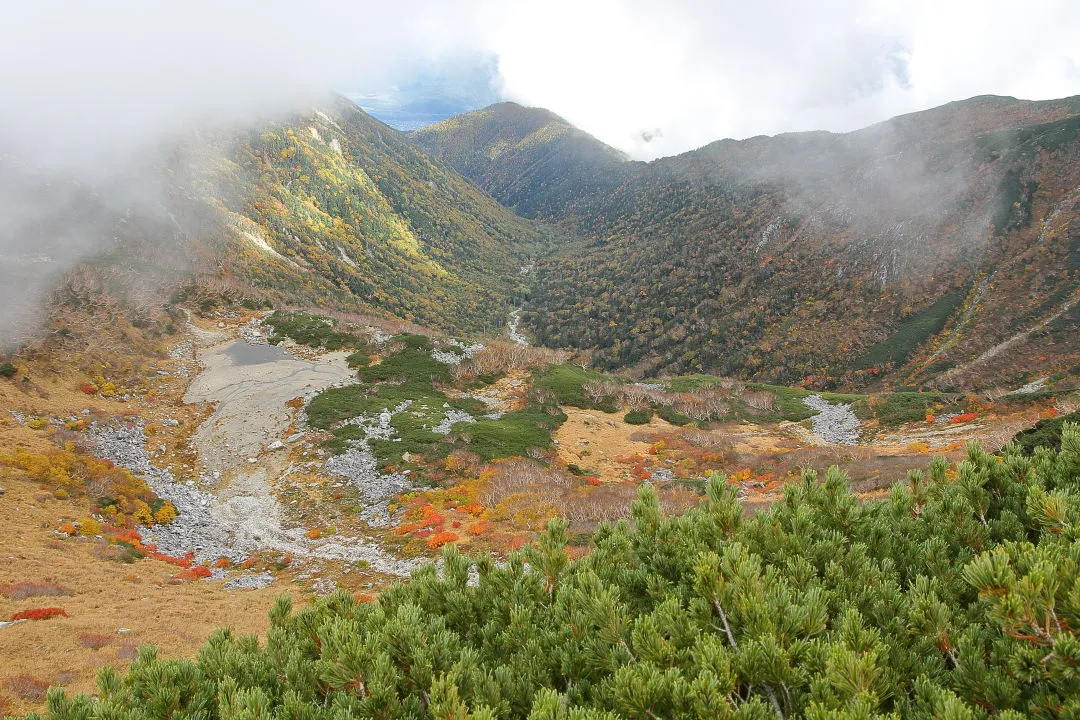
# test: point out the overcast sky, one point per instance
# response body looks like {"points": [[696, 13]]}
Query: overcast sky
{"points": [[681, 72]]}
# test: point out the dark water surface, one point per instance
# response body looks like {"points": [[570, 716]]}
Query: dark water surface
{"points": [[244, 353]]}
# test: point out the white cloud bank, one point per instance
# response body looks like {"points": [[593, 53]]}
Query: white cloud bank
{"points": [[681, 72], [687, 72]]}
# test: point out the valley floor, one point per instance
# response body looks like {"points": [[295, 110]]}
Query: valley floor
{"points": [[219, 429]]}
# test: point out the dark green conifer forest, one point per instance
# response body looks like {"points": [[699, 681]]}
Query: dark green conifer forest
{"points": [[954, 597]]}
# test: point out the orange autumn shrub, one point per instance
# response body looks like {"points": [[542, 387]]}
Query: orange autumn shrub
{"points": [[184, 562], [313, 534], [429, 518], [196, 572], [478, 528], [68, 528], [40, 613], [963, 418], [69, 473], [440, 539], [222, 563]]}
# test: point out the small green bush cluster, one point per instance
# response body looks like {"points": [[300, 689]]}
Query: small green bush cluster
{"points": [[7, 370], [310, 330], [1046, 433], [639, 417], [566, 382], [410, 375], [514, 433]]}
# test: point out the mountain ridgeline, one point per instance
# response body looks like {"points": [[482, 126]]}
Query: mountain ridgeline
{"points": [[941, 247]]}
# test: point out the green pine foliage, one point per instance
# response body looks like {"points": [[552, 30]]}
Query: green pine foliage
{"points": [[956, 597], [638, 417], [311, 330]]}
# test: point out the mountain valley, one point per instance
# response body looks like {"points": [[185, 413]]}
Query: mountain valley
{"points": [[817, 384]]}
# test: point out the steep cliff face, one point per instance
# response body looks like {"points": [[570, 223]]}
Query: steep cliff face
{"points": [[851, 258]]}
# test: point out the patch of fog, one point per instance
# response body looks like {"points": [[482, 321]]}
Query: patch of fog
{"points": [[836, 424]]}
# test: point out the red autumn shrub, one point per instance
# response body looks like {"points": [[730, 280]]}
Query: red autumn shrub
{"points": [[439, 539], [963, 418], [185, 562], [39, 613], [194, 573], [480, 527], [125, 535], [89, 388]]}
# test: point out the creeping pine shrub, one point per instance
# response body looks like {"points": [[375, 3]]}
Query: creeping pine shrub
{"points": [[7, 370]]}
